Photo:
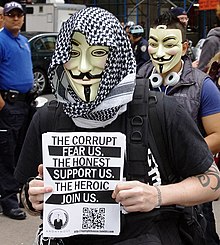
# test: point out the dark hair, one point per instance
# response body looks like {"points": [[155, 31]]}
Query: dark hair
{"points": [[171, 21]]}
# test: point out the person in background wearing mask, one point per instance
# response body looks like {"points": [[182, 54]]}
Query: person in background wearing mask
{"points": [[16, 82], [171, 72]]}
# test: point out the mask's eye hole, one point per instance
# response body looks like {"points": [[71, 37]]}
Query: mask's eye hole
{"points": [[99, 52], [153, 45], [74, 53], [169, 45]]}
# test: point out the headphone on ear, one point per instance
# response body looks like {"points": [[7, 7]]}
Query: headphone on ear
{"points": [[156, 80], [171, 79]]}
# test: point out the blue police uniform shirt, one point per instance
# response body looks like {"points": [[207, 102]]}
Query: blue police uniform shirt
{"points": [[16, 70], [210, 99], [141, 52]]}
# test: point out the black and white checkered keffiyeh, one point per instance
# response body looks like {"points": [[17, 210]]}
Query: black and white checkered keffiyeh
{"points": [[118, 80]]}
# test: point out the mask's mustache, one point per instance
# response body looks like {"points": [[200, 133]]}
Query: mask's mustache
{"points": [[87, 75]]}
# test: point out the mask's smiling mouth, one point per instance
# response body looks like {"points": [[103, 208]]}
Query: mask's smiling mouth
{"points": [[162, 59]]}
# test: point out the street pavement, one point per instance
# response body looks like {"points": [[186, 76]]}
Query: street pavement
{"points": [[18, 232], [22, 232]]}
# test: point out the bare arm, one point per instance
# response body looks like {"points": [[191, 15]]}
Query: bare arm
{"points": [[211, 125], [193, 190], [140, 197], [136, 196]]}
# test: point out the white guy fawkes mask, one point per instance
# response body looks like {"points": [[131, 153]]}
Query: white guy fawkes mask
{"points": [[85, 67], [165, 48]]}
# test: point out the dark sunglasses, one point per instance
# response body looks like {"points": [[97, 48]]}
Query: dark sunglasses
{"points": [[12, 15]]}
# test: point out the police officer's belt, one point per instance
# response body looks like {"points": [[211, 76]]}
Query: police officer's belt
{"points": [[13, 95]]}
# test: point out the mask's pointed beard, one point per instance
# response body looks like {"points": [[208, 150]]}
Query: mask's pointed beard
{"points": [[161, 68], [87, 92]]}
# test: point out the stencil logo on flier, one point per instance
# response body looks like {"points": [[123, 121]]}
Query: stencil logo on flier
{"points": [[58, 219]]}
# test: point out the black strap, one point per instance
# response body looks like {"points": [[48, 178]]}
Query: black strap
{"points": [[51, 116], [158, 138], [55, 120], [137, 131], [146, 126]]}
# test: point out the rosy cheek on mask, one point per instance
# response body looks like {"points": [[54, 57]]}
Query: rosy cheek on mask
{"points": [[70, 64], [151, 50], [173, 51], [100, 63]]}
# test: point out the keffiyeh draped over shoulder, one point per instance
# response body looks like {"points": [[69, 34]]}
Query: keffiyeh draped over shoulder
{"points": [[118, 80]]}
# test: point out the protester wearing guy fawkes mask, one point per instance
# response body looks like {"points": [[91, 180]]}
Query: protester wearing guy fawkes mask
{"points": [[93, 74], [171, 71], [93, 102], [166, 49]]}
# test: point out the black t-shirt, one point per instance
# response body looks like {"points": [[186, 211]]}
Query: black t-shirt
{"points": [[188, 150]]}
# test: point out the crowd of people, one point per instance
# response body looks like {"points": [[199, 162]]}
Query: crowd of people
{"points": [[99, 72]]}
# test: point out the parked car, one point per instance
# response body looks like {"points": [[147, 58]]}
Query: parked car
{"points": [[42, 48]]}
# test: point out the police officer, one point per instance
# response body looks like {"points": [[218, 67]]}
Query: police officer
{"points": [[16, 80], [139, 45], [127, 28]]}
